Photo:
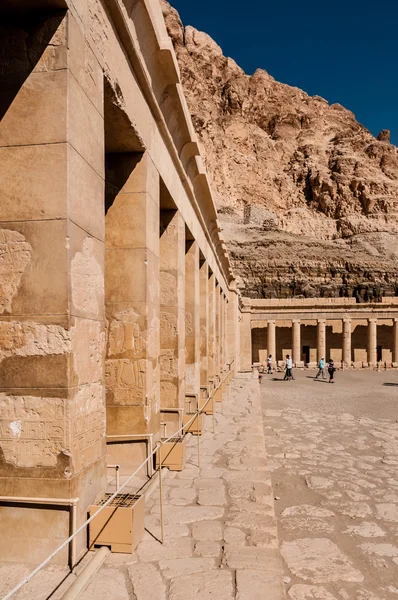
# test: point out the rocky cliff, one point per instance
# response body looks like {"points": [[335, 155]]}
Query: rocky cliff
{"points": [[307, 197]]}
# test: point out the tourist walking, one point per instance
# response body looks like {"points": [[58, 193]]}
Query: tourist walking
{"points": [[321, 369], [331, 370], [269, 364], [288, 368]]}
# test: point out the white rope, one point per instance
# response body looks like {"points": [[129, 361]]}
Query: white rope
{"points": [[84, 525]]}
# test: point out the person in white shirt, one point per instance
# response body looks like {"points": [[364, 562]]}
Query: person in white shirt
{"points": [[288, 368]]}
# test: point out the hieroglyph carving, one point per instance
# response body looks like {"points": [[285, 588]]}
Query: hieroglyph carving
{"points": [[87, 280], [32, 430], [124, 334], [126, 381], [32, 339], [15, 255]]}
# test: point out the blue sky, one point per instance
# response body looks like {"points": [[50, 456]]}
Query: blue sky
{"points": [[343, 50]]}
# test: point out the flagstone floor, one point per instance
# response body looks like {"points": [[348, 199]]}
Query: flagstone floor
{"points": [[333, 452]]}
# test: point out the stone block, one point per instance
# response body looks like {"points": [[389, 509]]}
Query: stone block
{"points": [[35, 282], [43, 96], [33, 182], [133, 222], [256, 558], [85, 127], [207, 531], [84, 66], [86, 255], [257, 585], [144, 267], [85, 195], [216, 584], [176, 567]]}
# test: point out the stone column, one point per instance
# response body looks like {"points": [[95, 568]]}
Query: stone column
{"points": [[212, 325], [347, 342], [271, 340], [204, 322], [233, 330], [52, 338], [321, 339], [172, 309], [372, 342], [132, 303], [192, 322], [217, 355], [223, 332], [296, 341], [395, 341], [245, 342]]}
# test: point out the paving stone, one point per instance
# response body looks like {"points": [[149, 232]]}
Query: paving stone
{"points": [[309, 592], [319, 560], [147, 582], [176, 567], [308, 511], [211, 492], [107, 583], [208, 549], [387, 512], [367, 530], [207, 531], [192, 514], [233, 535], [250, 521], [246, 557], [258, 585], [182, 496], [216, 585], [175, 548]]}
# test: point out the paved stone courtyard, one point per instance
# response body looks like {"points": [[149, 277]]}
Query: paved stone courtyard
{"points": [[333, 453], [220, 529]]}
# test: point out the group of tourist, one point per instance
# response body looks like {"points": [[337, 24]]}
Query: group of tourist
{"points": [[289, 369]]}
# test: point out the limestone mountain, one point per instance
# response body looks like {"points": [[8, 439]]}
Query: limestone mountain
{"points": [[307, 197]]}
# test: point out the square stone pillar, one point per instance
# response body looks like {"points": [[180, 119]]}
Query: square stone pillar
{"points": [[321, 340], [204, 322], [347, 342], [217, 349], [172, 309], [132, 304], [296, 341], [395, 341], [372, 342], [245, 342], [271, 340], [52, 404], [192, 322], [212, 326], [222, 332], [233, 330]]}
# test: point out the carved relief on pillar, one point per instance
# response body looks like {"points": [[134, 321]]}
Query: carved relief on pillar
{"points": [[321, 339], [372, 341], [296, 341], [347, 342], [271, 339]]}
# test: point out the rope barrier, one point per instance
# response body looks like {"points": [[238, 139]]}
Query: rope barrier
{"points": [[103, 506]]}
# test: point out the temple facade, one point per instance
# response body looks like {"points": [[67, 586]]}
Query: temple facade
{"points": [[352, 335]]}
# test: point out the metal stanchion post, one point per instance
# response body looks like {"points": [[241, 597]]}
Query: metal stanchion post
{"points": [[161, 496], [197, 422], [214, 416]]}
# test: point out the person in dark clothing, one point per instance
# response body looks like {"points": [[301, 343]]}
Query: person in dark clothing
{"points": [[331, 370]]}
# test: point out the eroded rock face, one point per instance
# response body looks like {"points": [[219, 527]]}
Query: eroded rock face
{"points": [[307, 196]]}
